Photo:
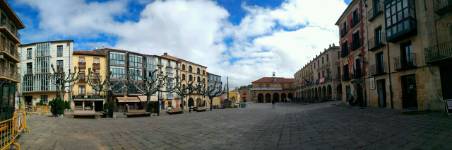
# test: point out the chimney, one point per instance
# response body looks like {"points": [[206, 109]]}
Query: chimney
{"points": [[165, 54]]}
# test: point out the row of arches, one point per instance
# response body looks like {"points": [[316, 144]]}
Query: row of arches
{"points": [[276, 97], [322, 93]]}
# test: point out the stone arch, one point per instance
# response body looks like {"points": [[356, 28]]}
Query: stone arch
{"points": [[260, 98], [268, 98], [191, 102], [276, 97], [199, 102], [290, 96], [283, 97], [330, 92], [339, 92]]}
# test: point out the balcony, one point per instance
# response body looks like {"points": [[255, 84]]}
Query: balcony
{"points": [[9, 74], [11, 53], [356, 44], [438, 52], [357, 74], [375, 70], [441, 7], [375, 44], [345, 77], [408, 63], [401, 30], [374, 12]]}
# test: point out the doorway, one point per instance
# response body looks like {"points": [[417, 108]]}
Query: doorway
{"points": [[99, 106], [409, 95], [381, 89], [446, 80]]}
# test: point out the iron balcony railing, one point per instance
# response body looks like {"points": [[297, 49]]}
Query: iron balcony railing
{"points": [[438, 52], [375, 11], [405, 63], [377, 69], [375, 43], [442, 6]]}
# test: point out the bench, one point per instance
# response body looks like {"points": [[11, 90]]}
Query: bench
{"points": [[174, 111], [137, 112], [81, 113]]}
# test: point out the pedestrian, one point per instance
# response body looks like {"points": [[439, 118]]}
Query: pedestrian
{"points": [[273, 104]]}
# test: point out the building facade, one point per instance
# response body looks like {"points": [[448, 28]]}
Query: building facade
{"points": [[319, 80], [9, 58], [37, 59], [353, 33], [168, 67], [196, 74], [405, 55], [84, 97], [272, 89]]}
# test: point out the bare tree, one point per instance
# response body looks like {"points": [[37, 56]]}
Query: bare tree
{"points": [[95, 81], [62, 79], [183, 90], [151, 85], [211, 91]]}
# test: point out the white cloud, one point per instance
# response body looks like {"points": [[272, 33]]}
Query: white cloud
{"points": [[195, 30]]}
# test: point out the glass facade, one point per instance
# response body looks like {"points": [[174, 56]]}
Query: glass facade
{"points": [[117, 58]]}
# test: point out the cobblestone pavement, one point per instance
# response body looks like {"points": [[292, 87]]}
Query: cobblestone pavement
{"points": [[288, 126]]}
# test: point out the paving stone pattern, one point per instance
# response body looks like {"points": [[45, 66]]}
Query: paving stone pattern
{"points": [[257, 127]]}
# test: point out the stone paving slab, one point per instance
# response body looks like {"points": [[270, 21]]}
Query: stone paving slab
{"points": [[257, 127]]}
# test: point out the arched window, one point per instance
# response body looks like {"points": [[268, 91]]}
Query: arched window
{"points": [[183, 67], [199, 79], [190, 69], [190, 78], [183, 77], [198, 71], [203, 72]]}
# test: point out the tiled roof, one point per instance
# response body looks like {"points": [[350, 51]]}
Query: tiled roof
{"points": [[90, 52], [274, 80], [165, 55]]}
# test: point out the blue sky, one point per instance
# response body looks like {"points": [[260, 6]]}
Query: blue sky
{"points": [[238, 33]]}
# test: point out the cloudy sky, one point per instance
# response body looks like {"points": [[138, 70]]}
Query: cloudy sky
{"points": [[242, 39]]}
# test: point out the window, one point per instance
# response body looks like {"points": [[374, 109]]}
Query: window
{"points": [[81, 59], [59, 65], [407, 55], [183, 77], [199, 79], [190, 69], [399, 17], [344, 49], [81, 90], [358, 71], [379, 61], [190, 78], [117, 58], [96, 60], [355, 18], [198, 71], [377, 36], [30, 68], [44, 99], [29, 53], [59, 50], [356, 43], [345, 75], [183, 67], [117, 72]]}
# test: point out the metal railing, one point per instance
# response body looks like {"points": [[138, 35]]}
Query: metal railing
{"points": [[377, 70], [438, 52], [442, 6], [9, 73], [375, 43], [375, 11], [11, 128], [408, 62]]}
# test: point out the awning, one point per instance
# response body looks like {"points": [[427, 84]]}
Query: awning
{"points": [[127, 99], [145, 98]]}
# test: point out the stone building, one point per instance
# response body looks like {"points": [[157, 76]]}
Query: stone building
{"points": [[84, 97], [9, 57], [408, 45], [245, 93], [268, 89], [353, 53], [319, 80], [37, 59], [191, 72]]}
